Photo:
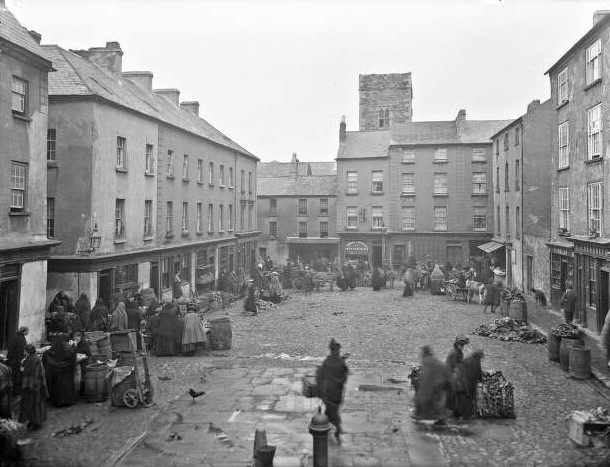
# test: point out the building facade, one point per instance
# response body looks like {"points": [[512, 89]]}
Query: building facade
{"points": [[580, 233], [385, 100], [297, 212], [522, 196], [24, 247], [146, 175]]}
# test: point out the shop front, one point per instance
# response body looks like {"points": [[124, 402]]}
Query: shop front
{"points": [[316, 252], [562, 271]]}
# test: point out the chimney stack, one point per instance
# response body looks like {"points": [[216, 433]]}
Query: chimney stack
{"points": [[172, 95], [35, 35], [342, 126], [191, 106], [460, 122], [108, 58], [142, 79], [599, 15], [532, 105]]}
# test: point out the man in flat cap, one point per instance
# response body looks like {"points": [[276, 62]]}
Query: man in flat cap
{"points": [[331, 378]]}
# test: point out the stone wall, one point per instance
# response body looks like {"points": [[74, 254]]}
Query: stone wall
{"points": [[388, 91]]}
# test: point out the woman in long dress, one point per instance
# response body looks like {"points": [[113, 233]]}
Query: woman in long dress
{"points": [[193, 334], [470, 373], [59, 363], [14, 356], [431, 397], [34, 391], [169, 334]]}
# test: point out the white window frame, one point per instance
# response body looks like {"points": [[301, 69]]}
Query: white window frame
{"points": [[221, 218], [302, 207], [199, 170], [595, 206], [210, 217], [185, 216], [592, 62], [440, 218], [479, 155], [50, 217], [147, 218], [169, 171], [169, 217], [231, 226], [272, 229], [564, 208], [408, 218], [377, 181], [211, 177], [119, 218], [185, 167], [149, 160], [562, 86], [408, 156], [440, 155], [383, 117], [352, 182], [351, 217], [479, 218], [19, 185], [563, 138], [408, 183], [594, 132], [200, 217], [479, 183], [377, 221], [19, 103], [441, 183], [323, 208], [51, 144], [121, 153], [324, 233], [231, 181], [221, 168], [302, 229]]}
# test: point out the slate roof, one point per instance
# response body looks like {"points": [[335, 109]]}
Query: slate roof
{"points": [[364, 144], [287, 169], [76, 76], [12, 31], [325, 185], [444, 132]]}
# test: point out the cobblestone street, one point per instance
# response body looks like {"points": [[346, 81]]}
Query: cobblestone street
{"points": [[257, 383]]}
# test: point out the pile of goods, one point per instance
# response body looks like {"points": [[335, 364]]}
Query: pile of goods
{"points": [[508, 294], [10, 433], [415, 376], [495, 397], [567, 331], [509, 329], [589, 428]]}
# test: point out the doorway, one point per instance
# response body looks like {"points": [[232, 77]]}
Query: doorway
{"points": [[9, 310], [529, 272], [106, 287], [154, 277], [377, 257], [603, 298]]}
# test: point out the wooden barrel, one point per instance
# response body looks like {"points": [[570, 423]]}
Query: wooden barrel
{"points": [[96, 386], [103, 345], [580, 362], [564, 351], [553, 344], [518, 310], [221, 334]]}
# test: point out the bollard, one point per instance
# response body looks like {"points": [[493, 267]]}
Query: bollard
{"points": [[319, 428]]}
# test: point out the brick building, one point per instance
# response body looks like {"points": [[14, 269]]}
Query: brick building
{"points": [[580, 233], [297, 211], [157, 183], [24, 247], [522, 196]]}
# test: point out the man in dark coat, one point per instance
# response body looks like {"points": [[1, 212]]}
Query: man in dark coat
{"points": [[568, 304], [492, 296], [470, 373], [431, 397], [377, 280], [453, 361], [14, 356], [331, 377]]}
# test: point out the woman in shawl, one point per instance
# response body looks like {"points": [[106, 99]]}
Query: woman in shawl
{"points": [[275, 288], [377, 281], [470, 373], [152, 329], [431, 397], [99, 316], [250, 303], [82, 308], [169, 334], [34, 391], [193, 334], [14, 356], [59, 363], [454, 359], [118, 320], [6, 390]]}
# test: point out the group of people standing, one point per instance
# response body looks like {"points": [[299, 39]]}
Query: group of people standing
{"points": [[172, 332], [449, 385]]}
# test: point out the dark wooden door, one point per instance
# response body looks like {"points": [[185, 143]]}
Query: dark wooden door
{"points": [[9, 310]]}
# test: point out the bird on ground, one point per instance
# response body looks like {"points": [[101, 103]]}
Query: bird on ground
{"points": [[195, 394]]}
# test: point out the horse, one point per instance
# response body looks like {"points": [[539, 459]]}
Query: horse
{"points": [[474, 288]]}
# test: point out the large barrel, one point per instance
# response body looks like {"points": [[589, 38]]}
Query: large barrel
{"points": [[580, 362], [553, 344], [564, 351], [96, 386], [518, 310], [103, 345], [221, 334]]}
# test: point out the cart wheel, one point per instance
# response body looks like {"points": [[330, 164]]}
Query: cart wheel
{"points": [[130, 398]]}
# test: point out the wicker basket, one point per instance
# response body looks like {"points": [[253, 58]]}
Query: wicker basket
{"points": [[118, 391]]}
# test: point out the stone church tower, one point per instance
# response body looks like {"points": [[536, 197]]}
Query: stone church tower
{"points": [[385, 100]]}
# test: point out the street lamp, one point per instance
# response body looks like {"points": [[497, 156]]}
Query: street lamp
{"points": [[95, 239]]}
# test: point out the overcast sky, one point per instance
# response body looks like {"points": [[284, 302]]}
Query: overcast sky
{"points": [[277, 75]]}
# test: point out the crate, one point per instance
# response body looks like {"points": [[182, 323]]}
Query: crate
{"points": [[120, 341], [310, 386], [586, 433]]}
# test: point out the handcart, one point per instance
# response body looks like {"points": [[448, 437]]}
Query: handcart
{"points": [[130, 383]]}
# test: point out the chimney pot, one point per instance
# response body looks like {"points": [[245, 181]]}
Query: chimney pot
{"points": [[342, 127], [108, 58], [599, 15], [142, 79], [191, 106], [532, 105], [460, 121], [35, 35], [172, 95]]}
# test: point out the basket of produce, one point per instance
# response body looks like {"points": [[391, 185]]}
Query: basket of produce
{"points": [[495, 398], [567, 331], [508, 329]]}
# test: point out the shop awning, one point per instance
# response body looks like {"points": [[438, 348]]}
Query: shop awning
{"points": [[356, 248], [490, 247]]}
